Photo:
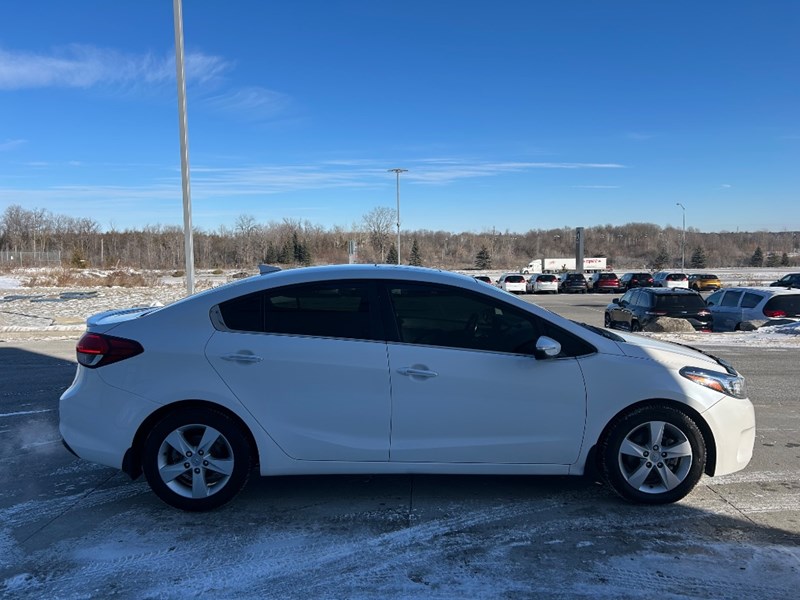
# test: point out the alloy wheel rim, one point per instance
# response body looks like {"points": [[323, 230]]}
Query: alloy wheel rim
{"points": [[655, 457], [195, 461]]}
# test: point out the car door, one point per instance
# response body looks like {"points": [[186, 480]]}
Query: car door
{"points": [[309, 362], [728, 314], [466, 387], [621, 313]]}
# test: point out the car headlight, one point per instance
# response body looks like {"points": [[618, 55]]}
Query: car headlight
{"points": [[731, 385]]}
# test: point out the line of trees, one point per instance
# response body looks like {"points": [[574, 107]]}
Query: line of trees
{"points": [[82, 242]]}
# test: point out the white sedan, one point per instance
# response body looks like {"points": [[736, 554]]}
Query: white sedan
{"points": [[386, 369]]}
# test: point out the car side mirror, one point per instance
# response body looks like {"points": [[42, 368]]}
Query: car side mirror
{"points": [[547, 347], [615, 300]]}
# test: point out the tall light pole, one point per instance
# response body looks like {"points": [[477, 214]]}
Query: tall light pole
{"points": [[397, 173], [184, 135], [683, 241]]}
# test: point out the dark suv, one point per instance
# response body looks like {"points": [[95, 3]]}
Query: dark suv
{"points": [[573, 283], [788, 281], [634, 280], [640, 306]]}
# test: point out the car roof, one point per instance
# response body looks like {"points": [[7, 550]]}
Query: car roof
{"points": [[763, 290], [667, 291]]}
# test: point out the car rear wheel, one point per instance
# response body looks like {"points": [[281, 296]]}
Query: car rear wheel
{"points": [[635, 326], [607, 321], [654, 454], [196, 459]]}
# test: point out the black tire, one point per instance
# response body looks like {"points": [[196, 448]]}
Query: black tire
{"points": [[635, 326], [607, 321], [654, 455], [209, 468]]}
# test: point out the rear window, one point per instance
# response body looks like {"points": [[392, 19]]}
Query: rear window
{"points": [[683, 301], [515, 279], [677, 277], [708, 277], [607, 276], [575, 277], [545, 278], [789, 304]]}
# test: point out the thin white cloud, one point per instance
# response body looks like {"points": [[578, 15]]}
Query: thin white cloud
{"points": [[250, 102], [85, 66], [726, 185], [638, 136], [597, 187], [11, 144]]}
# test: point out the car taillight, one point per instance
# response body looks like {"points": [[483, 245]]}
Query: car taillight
{"points": [[97, 350], [775, 313]]}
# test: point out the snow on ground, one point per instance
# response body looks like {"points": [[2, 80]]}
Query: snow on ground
{"points": [[36, 312]]}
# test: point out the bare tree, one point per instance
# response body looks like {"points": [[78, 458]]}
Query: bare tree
{"points": [[378, 225]]}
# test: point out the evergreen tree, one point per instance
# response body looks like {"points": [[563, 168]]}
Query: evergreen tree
{"points": [[661, 259], [391, 255], [483, 260], [285, 255], [757, 260], [698, 260], [772, 259], [271, 254], [784, 260], [415, 260]]}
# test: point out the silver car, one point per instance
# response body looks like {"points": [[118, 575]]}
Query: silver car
{"points": [[747, 308]]}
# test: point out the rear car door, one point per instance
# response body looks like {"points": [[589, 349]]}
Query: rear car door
{"points": [[309, 362], [466, 387]]}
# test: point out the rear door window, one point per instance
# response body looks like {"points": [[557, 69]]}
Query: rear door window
{"points": [[731, 298], [751, 300], [327, 309]]}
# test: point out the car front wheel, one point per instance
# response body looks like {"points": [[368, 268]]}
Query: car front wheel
{"points": [[196, 459], [654, 454], [607, 321]]}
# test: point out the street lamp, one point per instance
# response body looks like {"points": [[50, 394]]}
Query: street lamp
{"points": [[397, 172], [683, 241]]}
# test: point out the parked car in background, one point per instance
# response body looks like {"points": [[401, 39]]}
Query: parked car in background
{"points": [[381, 369], [743, 308], [604, 282], [512, 282], [634, 280], [542, 283], [484, 279], [703, 282], [640, 306], [671, 279], [572, 283], [790, 280]]}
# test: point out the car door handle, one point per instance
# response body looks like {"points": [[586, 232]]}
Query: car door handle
{"points": [[242, 358], [412, 372]]}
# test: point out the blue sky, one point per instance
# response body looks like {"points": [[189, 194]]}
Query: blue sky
{"points": [[512, 115]]}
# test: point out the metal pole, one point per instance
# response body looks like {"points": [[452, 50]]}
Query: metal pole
{"points": [[683, 241], [397, 172], [184, 138]]}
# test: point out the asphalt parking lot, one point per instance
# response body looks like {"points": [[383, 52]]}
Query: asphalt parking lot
{"points": [[70, 529]]}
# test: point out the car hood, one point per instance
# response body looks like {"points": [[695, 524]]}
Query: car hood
{"points": [[668, 353]]}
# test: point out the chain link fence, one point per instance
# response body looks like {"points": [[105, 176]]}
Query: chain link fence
{"points": [[12, 258]]}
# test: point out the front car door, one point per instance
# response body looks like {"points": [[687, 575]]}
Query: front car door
{"points": [[466, 387]]}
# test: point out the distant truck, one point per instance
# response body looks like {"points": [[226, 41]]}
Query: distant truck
{"points": [[558, 265]]}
